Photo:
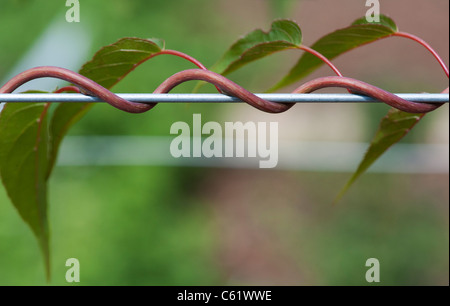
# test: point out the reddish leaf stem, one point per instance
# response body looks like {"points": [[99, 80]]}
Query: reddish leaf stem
{"points": [[166, 52], [182, 55], [68, 88], [427, 46], [322, 57]]}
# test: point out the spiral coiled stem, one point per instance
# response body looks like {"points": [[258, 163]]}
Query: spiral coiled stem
{"points": [[225, 85]]}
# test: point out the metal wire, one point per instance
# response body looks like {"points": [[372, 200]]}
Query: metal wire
{"points": [[218, 98]]}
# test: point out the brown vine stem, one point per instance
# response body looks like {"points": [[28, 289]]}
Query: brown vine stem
{"points": [[86, 84], [368, 90], [219, 81]]}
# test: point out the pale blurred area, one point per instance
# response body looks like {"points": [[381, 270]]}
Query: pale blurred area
{"points": [[133, 215]]}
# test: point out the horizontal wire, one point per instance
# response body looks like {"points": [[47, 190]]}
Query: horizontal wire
{"points": [[217, 98]]}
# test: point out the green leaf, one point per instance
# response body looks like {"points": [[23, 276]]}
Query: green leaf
{"points": [[284, 34], [109, 65], [29, 144], [337, 43], [64, 116], [384, 21], [23, 164], [393, 128], [115, 61]]}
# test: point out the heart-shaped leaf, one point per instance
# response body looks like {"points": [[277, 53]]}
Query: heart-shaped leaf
{"points": [[334, 44], [393, 128], [23, 165], [284, 34]]}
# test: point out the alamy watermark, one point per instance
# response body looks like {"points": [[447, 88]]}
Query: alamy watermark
{"points": [[373, 274], [374, 11], [73, 13], [211, 140], [73, 273]]}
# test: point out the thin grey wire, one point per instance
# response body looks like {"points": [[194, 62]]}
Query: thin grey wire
{"points": [[218, 98]]}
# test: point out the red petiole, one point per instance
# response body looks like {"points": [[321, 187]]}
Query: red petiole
{"points": [[427, 46], [323, 58]]}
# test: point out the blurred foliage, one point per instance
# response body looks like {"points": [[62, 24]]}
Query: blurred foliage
{"points": [[143, 234], [282, 8]]}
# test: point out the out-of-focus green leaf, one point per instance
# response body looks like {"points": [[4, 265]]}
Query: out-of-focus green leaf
{"points": [[109, 65], [284, 34], [393, 128], [282, 8], [334, 44], [23, 165]]}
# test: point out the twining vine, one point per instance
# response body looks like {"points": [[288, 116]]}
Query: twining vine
{"points": [[30, 135], [222, 83]]}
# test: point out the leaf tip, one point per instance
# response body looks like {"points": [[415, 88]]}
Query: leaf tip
{"points": [[384, 20]]}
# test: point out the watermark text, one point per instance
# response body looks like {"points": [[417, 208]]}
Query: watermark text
{"points": [[73, 273], [373, 274], [73, 13], [236, 139], [373, 13]]}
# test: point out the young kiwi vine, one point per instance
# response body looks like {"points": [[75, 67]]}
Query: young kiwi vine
{"points": [[84, 85]]}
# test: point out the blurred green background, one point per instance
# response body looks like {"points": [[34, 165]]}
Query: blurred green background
{"points": [[155, 225]]}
